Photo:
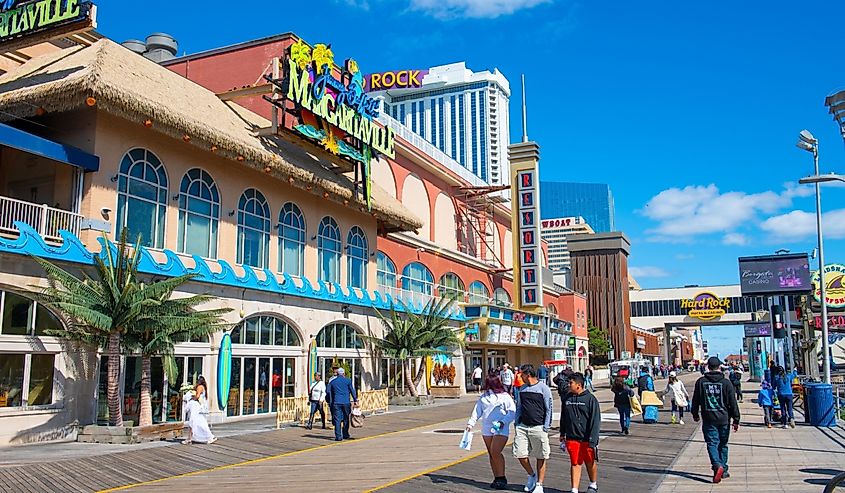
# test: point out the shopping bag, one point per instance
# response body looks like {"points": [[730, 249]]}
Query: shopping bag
{"points": [[636, 408], [466, 440], [357, 418]]}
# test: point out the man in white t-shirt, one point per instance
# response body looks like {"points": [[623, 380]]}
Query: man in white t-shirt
{"points": [[507, 378], [476, 378]]}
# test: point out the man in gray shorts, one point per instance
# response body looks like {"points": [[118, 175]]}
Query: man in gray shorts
{"points": [[533, 420]]}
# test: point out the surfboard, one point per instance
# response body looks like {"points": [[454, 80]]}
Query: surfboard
{"points": [[313, 365], [224, 371]]}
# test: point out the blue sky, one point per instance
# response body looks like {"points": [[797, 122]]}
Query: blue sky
{"points": [[689, 110]]}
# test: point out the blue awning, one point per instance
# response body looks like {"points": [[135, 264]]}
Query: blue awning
{"points": [[33, 144]]}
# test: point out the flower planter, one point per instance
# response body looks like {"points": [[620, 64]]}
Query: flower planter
{"points": [[446, 392]]}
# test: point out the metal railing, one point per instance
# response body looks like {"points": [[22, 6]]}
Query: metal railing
{"points": [[46, 220]]}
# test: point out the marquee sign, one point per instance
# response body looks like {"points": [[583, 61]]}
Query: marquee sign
{"points": [[530, 282], [396, 79], [34, 21], [706, 306]]}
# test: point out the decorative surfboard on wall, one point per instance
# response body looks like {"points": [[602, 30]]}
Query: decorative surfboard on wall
{"points": [[312, 362], [224, 371]]}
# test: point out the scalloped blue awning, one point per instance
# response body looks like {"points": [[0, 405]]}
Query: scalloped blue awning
{"points": [[27, 142]]}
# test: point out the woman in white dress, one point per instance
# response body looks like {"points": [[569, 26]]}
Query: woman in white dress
{"points": [[198, 430]]}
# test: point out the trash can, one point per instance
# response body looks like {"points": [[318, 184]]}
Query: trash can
{"points": [[820, 406]]}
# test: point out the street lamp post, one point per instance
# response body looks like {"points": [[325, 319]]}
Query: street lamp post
{"points": [[807, 142]]}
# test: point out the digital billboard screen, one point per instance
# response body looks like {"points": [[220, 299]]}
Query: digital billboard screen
{"points": [[775, 274]]}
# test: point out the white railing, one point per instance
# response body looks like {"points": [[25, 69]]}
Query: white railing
{"points": [[46, 220]]}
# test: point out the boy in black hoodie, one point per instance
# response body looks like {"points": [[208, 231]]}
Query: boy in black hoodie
{"points": [[580, 419], [714, 402]]}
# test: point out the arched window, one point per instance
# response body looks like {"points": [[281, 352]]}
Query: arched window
{"points": [[328, 251], [291, 240], [478, 293], [385, 273], [552, 309], [339, 336], [502, 297], [416, 278], [265, 330], [253, 229], [199, 214], [356, 258], [451, 286], [142, 197]]}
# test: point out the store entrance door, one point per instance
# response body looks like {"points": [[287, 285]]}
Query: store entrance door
{"points": [[495, 359], [473, 358]]}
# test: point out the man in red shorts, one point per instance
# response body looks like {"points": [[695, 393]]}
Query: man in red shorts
{"points": [[580, 419]]}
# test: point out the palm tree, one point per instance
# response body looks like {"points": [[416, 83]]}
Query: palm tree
{"points": [[170, 321], [102, 309], [408, 336]]}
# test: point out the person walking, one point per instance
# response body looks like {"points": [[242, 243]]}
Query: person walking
{"points": [[497, 410], [197, 410], [543, 374], [341, 395], [735, 377], [714, 403], [622, 394], [533, 421], [644, 383], [783, 387], [766, 400], [561, 381], [588, 379], [679, 397], [317, 397], [476, 378], [518, 382], [507, 377], [580, 420]]}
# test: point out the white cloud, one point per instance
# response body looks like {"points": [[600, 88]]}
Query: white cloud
{"points": [[447, 9], [735, 239], [683, 213], [647, 271], [684, 256], [801, 224]]}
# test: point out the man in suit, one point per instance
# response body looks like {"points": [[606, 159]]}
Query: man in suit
{"points": [[341, 394]]}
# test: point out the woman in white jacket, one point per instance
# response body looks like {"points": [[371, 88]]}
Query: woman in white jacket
{"points": [[496, 410], [677, 392]]}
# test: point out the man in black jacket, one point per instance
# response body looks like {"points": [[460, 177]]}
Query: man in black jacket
{"points": [[714, 402], [580, 419]]}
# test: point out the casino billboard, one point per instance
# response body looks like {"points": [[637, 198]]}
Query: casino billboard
{"points": [[775, 274]]}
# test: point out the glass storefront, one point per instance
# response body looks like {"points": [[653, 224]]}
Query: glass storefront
{"points": [[256, 382]]}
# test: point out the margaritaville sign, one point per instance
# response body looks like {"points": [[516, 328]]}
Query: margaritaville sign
{"points": [[706, 306], [25, 19]]}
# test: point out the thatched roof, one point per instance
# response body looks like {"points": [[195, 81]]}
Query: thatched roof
{"points": [[131, 87]]}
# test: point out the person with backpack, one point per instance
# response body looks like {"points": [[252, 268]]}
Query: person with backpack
{"points": [[561, 380], [644, 383], [714, 403], [735, 377], [622, 394]]}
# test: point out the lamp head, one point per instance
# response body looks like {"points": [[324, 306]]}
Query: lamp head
{"points": [[805, 146]]}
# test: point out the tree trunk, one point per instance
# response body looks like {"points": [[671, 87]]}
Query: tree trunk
{"points": [[420, 375], [113, 383], [406, 367], [146, 417]]}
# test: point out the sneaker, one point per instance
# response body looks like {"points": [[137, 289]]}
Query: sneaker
{"points": [[538, 488], [726, 475], [626, 431], [681, 422], [531, 483], [769, 426], [792, 423], [673, 419], [499, 484], [592, 490], [717, 475]]}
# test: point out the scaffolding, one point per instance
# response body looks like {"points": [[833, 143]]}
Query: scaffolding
{"points": [[473, 221]]}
